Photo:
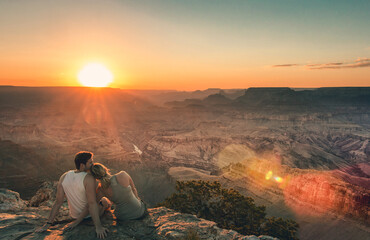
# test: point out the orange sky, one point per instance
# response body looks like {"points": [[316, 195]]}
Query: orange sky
{"points": [[184, 47]]}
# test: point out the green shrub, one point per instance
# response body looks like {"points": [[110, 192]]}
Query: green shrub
{"points": [[228, 208], [285, 229]]}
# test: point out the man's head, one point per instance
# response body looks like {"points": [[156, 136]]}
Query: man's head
{"points": [[83, 161]]}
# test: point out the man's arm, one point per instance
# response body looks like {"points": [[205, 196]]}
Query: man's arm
{"points": [[99, 197], [57, 204], [90, 187]]}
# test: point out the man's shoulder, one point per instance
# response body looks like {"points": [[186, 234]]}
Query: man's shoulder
{"points": [[89, 178], [63, 176], [69, 171]]}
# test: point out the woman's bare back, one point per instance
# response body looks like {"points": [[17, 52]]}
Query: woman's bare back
{"points": [[124, 180]]}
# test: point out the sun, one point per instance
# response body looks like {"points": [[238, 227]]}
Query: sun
{"points": [[95, 75]]}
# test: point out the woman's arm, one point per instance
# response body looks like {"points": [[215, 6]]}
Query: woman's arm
{"points": [[133, 187]]}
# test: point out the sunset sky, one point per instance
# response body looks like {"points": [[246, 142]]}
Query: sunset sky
{"points": [[187, 45]]}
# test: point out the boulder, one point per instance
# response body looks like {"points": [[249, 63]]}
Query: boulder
{"points": [[10, 201], [45, 196]]}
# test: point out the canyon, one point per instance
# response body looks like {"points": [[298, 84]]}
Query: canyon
{"points": [[304, 154]]}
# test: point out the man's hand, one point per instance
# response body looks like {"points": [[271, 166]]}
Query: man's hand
{"points": [[43, 228], [102, 232]]}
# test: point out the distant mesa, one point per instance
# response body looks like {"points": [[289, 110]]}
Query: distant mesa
{"points": [[286, 98]]}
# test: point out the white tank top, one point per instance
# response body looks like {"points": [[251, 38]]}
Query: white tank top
{"points": [[73, 186]]}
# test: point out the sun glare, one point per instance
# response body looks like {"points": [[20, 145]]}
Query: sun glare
{"points": [[95, 75]]}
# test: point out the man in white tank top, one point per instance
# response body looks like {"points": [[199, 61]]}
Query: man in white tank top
{"points": [[80, 189]]}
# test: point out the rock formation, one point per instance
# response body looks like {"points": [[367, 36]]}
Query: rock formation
{"points": [[17, 221], [10, 200]]}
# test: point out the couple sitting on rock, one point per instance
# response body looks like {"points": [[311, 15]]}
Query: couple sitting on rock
{"points": [[86, 196]]}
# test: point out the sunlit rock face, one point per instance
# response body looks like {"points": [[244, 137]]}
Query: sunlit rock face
{"points": [[318, 193], [304, 192], [325, 206], [18, 222]]}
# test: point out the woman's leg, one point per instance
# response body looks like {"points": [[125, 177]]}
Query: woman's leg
{"points": [[104, 204]]}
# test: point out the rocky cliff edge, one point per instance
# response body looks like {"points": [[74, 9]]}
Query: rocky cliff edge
{"points": [[19, 218]]}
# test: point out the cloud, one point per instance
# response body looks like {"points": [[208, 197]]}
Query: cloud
{"points": [[312, 65], [363, 60], [286, 65], [359, 63]]}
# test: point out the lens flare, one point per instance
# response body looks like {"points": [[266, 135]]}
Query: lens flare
{"points": [[278, 179], [268, 175]]}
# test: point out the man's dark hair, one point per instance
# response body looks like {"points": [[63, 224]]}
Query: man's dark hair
{"points": [[82, 157]]}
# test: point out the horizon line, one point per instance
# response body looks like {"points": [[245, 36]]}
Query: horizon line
{"points": [[176, 90]]}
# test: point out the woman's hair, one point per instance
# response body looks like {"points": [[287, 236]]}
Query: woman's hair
{"points": [[101, 172]]}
